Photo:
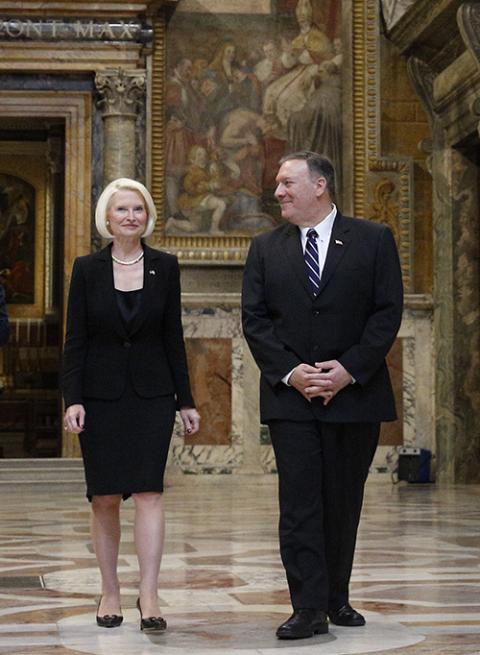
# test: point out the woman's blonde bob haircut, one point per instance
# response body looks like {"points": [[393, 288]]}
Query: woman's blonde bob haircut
{"points": [[123, 184]]}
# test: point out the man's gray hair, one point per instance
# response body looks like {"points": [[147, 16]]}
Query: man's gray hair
{"points": [[318, 166]]}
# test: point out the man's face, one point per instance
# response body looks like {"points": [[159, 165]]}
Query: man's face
{"points": [[270, 51], [297, 193]]}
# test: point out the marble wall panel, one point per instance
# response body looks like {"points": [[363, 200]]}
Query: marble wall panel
{"points": [[392, 433], [216, 332], [210, 367]]}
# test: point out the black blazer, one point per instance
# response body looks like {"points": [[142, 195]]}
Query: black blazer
{"points": [[99, 354], [354, 319], [4, 324]]}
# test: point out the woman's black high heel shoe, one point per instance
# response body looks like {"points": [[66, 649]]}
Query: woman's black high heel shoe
{"points": [[152, 623], [108, 620]]}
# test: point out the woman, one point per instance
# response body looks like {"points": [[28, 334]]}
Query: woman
{"points": [[222, 64], [125, 373]]}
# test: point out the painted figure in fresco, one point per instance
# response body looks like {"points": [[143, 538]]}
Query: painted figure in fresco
{"points": [[182, 96], [246, 91], [302, 58], [322, 305], [17, 238], [223, 63], [242, 155], [179, 139], [183, 103], [124, 376], [270, 67], [242, 150], [4, 324], [216, 104], [200, 184], [318, 126]]}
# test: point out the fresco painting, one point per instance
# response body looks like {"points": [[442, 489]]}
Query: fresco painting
{"points": [[242, 91]]}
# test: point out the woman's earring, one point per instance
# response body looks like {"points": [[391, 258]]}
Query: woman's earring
{"points": [[108, 222]]}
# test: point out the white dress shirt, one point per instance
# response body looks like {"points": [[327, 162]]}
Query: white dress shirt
{"points": [[324, 231]]}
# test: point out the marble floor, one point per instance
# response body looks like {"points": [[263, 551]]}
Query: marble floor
{"points": [[223, 592]]}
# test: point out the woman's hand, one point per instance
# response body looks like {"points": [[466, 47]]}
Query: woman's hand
{"points": [[191, 419], [74, 420]]}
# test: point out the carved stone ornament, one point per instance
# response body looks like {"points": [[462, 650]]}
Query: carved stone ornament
{"points": [[468, 18], [422, 78], [120, 92], [384, 207]]}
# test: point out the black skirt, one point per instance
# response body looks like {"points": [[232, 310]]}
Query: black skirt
{"points": [[125, 443]]}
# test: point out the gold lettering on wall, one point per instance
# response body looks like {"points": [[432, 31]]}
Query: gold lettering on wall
{"points": [[84, 30], [49, 29]]}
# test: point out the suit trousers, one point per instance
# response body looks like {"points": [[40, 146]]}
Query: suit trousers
{"points": [[322, 470]]}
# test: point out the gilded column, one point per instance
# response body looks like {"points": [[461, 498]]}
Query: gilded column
{"points": [[121, 93]]}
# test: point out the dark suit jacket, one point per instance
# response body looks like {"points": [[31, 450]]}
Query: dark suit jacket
{"points": [[354, 319], [99, 354], [4, 324]]}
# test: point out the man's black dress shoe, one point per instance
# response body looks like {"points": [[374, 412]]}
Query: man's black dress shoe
{"points": [[108, 620], [346, 616], [303, 623], [152, 623]]}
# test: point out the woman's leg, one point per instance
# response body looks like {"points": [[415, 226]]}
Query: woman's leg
{"points": [[149, 534], [106, 541]]}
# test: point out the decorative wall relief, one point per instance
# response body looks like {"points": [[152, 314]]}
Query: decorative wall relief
{"points": [[393, 10], [241, 90], [385, 206], [369, 164], [210, 367]]}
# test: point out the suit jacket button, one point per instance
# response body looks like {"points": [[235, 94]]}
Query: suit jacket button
{"points": [[316, 313], [315, 348], [127, 344]]}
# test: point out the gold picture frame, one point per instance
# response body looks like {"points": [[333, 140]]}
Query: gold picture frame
{"points": [[23, 179]]}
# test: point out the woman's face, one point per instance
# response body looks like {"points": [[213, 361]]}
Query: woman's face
{"points": [[127, 214]]}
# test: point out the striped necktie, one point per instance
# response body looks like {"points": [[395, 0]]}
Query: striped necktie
{"points": [[311, 260]]}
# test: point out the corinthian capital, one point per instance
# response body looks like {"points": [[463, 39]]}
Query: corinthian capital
{"points": [[120, 91]]}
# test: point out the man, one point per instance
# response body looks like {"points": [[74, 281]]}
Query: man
{"points": [[320, 312], [4, 325]]}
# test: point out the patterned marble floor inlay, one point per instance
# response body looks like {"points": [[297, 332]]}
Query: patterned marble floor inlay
{"points": [[222, 586]]}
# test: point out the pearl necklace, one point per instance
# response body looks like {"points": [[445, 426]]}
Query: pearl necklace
{"points": [[130, 263]]}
